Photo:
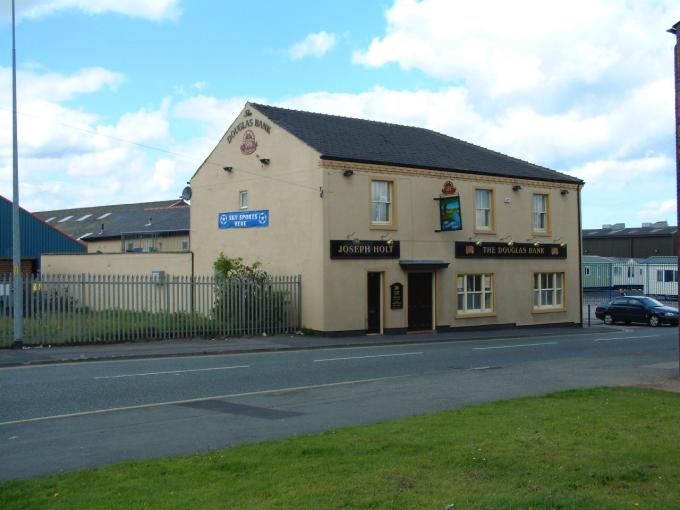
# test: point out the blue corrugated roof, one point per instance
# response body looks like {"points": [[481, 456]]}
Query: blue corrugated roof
{"points": [[37, 237]]}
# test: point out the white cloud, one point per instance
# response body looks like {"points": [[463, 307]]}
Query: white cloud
{"points": [[609, 175], [316, 45], [655, 210], [154, 10], [68, 157], [211, 111], [527, 46]]}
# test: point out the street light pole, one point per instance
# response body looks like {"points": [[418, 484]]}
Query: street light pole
{"points": [[675, 30], [17, 286]]}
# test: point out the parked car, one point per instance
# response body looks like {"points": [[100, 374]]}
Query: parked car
{"points": [[637, 309]]}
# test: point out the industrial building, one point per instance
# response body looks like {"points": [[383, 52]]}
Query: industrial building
{"points": [[615, 240], [37, 238], [141, 227]]}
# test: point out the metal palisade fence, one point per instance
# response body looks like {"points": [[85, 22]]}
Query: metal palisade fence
{"points": [[656, 277], [62, 309]]}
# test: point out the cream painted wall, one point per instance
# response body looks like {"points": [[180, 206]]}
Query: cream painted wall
{"points": [[163, 244], [288, 187], [302, 224], [417, 217], [104, 246], [140, 264]]}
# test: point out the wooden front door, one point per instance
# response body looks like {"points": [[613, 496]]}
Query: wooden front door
{"points": [[374, 302], [420, 301]]}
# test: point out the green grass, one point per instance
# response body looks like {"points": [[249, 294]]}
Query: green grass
{"points": [[108, 326], [586, 449]]}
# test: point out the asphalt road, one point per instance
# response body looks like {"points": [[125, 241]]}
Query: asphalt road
{"points": [[70, 416]]}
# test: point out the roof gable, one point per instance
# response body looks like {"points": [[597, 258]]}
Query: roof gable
{"points": [[359, 140]]}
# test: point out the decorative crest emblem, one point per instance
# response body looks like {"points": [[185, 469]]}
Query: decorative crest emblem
{"points": [[449, 188], [249, 143], [469, 250], [554, 250]]}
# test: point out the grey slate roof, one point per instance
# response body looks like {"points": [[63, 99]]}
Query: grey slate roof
{"points": [[166, 216], [629, 232], [367, 141]]}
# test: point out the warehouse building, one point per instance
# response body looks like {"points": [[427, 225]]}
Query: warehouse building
{"points": [[145, 227], [393, 228], [617, 240], [37, 238]]}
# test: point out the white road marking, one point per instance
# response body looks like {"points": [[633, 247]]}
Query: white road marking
{"points": [[176, 372], [624, 338], [201, 399], [283, 352], [374, 356], [512, 346]]}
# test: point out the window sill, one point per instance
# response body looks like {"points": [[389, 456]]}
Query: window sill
{"points": [[549, 310], [383, 226], [474, 315], [484, 231]]}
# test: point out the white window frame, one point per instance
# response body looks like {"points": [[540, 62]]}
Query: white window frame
{"points": [[485, 212], [548, 295], [378, 201], [243, 199], [475, 284], [540, 216]]}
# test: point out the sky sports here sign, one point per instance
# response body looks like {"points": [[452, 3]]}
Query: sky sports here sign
{"points": [[243, 219]]}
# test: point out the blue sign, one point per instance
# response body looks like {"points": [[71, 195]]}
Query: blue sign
{"points": [[243, 219]]}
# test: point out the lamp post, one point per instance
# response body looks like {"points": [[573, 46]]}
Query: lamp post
{"points": [[675, 30], [17, 286]]}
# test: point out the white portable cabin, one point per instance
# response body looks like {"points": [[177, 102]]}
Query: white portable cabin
{"points": [[627, 273], [661, 276]]}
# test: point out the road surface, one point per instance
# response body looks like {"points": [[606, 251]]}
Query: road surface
{"points": [[62, 417]]}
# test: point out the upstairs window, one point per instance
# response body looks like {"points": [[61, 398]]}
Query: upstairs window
{"points": [[243, 199], [381, 202], [483, 212], [540, 213]]}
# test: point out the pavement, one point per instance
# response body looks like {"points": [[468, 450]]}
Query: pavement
{"points": [[197, 347]]}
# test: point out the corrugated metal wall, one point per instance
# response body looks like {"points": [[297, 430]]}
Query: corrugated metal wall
{"points": [[37, 237], [631, 247]]}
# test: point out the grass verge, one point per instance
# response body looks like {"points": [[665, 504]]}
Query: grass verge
{"points": [[605, 448]]}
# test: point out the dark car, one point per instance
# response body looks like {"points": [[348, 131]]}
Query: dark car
{"points": [[637, 309]]}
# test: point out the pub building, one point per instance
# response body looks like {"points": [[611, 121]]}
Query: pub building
{"points": [[392, 228]]}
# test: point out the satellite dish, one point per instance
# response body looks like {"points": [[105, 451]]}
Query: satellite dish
{"points": [[186, 194]]}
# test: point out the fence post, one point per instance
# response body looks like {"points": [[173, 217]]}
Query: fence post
{"points": [[588, 314], [299, 302]]}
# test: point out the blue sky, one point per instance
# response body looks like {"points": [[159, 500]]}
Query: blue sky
{"points": [[121, 100]]}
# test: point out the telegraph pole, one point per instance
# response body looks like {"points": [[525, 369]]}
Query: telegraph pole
{"points": [[675, 30], [17, 286]]}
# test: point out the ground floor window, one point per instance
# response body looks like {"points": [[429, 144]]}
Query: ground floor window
{"points": [[666, 275], [548, 290], [475, 293]]}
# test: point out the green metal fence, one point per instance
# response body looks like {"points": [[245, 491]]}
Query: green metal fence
{"points": [[103, 308]]}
